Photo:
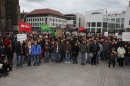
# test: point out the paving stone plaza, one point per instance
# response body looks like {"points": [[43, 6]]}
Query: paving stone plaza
{"points": [[61, 74]]}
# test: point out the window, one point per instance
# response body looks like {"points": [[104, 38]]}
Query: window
{"points": [[118, 20], [117, 25], [98, 24], [96, 13], [113, 20], [50, 19], [42, 19], [129, 22], [93, 24]]}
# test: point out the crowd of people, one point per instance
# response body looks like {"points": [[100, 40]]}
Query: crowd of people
{"points": [[65, 48]]}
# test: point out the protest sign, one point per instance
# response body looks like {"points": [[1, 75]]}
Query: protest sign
{"points": [[106, 34], [21, 37], [125, 36]]}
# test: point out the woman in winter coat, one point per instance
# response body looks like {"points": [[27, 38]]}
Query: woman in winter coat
{"points": [[75, 51], [28, 52], [121, 52]]}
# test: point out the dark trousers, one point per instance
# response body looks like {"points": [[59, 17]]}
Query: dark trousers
{"points": [[113, 63], [93, 59], [62, 54], [120, 61], [10, 61], [74, 59]]}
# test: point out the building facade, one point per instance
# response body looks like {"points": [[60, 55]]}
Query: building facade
{"points": [[127, 18], [8, 14], [45, 16], [98, 21], [74, 21]]}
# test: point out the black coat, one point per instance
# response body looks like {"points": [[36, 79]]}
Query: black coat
{"points": [[9, 53], [75, 50], [94, 48], [18, 49], [2, 51]]}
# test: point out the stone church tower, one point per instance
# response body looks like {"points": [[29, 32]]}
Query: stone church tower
{"points": [[9, 10]]}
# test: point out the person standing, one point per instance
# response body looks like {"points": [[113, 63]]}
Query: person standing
{"points": [[57, 49], [62, 51], [121, 52], [10, 54], [46, 52], [36, 50], [52, 51], [67, 49], [105, 50], [28, 52], [83, 50], [75, 51], [20, 49], [94, 48], [112, 57], [99, 52]]}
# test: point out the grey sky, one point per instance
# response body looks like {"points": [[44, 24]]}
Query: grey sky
{"points": [[74, 6]]}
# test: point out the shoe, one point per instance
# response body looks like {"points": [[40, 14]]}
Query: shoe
{"points": [[81, 63], [34, 65], [0, 75], [76, 62], [66, 62], [97, 62]]}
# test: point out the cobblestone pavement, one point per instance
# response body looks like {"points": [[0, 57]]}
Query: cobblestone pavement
{"points": [[55, 74]]}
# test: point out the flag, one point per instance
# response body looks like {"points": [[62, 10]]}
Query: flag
{"points": [[81, 28], [53, 32], [23, 26], [45, 27]]}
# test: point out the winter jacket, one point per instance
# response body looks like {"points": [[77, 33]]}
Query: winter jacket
{"points": [[46, 47], [3, 51], [121, 52], [94, 48], [83, 48], [67, 47], [9, 52], [62, 44], [59, 48], [105, 46], [20, 50], [100, 49], [112, 56], [75, 50], [36, 49]]}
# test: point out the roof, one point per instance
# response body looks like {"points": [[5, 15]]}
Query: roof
{"points": [[45, 11]]}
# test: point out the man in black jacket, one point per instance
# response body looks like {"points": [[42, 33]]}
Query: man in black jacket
{"points": [[94, 48]]}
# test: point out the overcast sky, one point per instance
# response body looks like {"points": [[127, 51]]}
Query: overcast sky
{"points": [[74, 6]]}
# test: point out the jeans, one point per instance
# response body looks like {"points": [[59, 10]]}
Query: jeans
{"points": [[0, 59], [83, 57], [62, 56], [104, 55], [89, 58], [127, 60], [67, 56], [57, 56], [36, 59], [20, 60], [53, 56], [29, 60], [97, 58], [46, 56], [75, 59], [10, 61]]}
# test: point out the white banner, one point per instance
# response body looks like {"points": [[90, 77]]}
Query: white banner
{"points": [[106, 34], [116, 34], [21, 37], [125, 36]]}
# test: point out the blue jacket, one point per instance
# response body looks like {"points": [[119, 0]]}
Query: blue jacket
{"points": [[36, 51]]}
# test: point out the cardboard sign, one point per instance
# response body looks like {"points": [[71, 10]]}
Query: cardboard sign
{"points": [[125, 36], [106, 34], [21, 37], [58, 32]]}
